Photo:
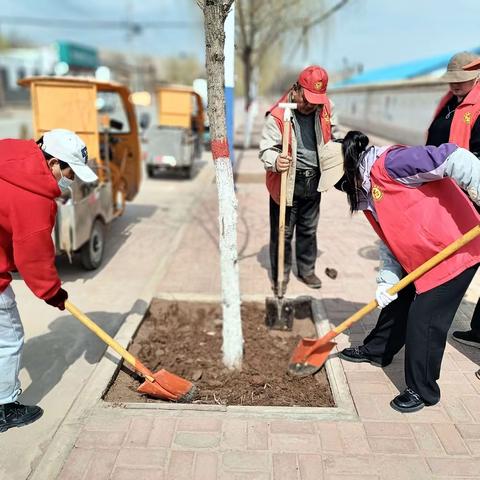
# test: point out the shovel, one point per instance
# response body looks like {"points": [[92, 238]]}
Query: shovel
{"points": [[280, 311], [310, 354], [162, 384]]}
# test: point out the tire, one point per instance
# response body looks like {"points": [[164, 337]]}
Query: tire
{"points": [[150, 171], [188, 172], [92, 252]]}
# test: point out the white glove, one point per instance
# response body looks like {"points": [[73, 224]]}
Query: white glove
{"points": [[382, 296]]}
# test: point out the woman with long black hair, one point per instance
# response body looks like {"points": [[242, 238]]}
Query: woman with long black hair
{"points": [[413, 200]]}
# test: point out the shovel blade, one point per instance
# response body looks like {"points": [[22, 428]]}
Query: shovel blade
{"points": [[302, 363], [168, 386], [279, 313]]}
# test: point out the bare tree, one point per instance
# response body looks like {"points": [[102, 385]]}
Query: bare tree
{"points": [[215, 12], [263, 24]]}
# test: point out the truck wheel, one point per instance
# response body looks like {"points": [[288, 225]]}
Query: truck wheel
{"points": [[92, 252], [188, 172], [150, 171]]}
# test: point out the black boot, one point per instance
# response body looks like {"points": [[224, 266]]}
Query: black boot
{"points": [[17, 415]]}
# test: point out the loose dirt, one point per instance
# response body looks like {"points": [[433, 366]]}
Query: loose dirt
{"points": [[186, 339]]}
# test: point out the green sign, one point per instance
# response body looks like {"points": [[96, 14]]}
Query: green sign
{"points": [[78, 56]]}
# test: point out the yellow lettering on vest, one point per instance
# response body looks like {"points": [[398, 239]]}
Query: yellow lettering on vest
{"points": [[467, 118]]}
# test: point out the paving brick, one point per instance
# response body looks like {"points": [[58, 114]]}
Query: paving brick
{"points": [[450, 438], [285, 466], [456, 410], [354, 437], [427, 440], [180, 465], [370, 377], [110, 424], [257, 435], [285, 426], [244, 476], [301, 443], [349, 465], [100, 439], [234, 434], [142, 457], [398, 467], [435, 414], [454, 466], [352, 477], [200, 424], [311, 467], [376, 407], [392, 445], [139, 432], [330, 438], [205, 466], [387, 429], [474, 447], [101, 465], [246, 461], [77, 462], [127, 473], [162, 432], [371, 388], [470, 432], [472, 405], [196, 440]]}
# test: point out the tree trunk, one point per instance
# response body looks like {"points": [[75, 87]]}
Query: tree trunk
{"points": [[232, 324]]}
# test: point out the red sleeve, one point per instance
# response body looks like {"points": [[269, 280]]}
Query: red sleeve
{"points": [[33, 248]]}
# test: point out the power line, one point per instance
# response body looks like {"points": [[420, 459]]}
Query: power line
{"points": [[135, 26]]}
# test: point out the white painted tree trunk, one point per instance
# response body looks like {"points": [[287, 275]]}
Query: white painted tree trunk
{"points": [[227, 220], [215, 12]]}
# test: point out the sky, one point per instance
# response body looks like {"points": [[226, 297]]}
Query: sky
{"points": [[375, 33]]}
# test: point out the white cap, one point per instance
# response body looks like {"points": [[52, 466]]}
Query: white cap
{"points": [[69, 148], [331, 165]]}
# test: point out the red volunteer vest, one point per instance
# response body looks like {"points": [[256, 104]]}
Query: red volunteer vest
{"points": [[272, 179], [464, 118], [416, 223]]}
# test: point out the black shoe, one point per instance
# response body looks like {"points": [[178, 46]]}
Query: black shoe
{"points": [[311, 280], [468, 338], [408, 401], [17, 415], [357, 355]]}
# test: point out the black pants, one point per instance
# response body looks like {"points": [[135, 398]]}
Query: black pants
{"points": [[301, 218], [475, 322], [421, 323]]}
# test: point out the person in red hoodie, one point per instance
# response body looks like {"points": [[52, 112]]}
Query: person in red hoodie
{"points": [[32, 175]]}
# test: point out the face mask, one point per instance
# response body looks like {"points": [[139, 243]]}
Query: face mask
{"points": [[64, 183]]}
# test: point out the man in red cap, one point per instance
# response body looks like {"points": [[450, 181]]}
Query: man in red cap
{"points": [[313, 125]]}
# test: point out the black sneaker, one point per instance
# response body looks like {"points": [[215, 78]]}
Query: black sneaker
{"points": [[357, 355], [17, 415], [468, 338], [407, 402], [311, 280]]}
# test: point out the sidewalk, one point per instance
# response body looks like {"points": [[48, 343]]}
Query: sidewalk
{"points": [[440, 442]]}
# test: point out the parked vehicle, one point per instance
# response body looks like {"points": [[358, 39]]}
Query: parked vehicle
{"points": [[102, 114], [177, 139]]}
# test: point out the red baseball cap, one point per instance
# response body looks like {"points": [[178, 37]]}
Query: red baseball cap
{"points": [[314, 81], [475, 65]]}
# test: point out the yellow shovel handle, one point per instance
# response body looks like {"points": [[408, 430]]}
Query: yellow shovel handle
{"points": [[92, 326], [411, 277]]}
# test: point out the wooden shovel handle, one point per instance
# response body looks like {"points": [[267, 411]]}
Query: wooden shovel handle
{"points": [[283, 209], [411, 277], [93, 327]]}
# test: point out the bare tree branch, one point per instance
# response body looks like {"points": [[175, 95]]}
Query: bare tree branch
{"points": [[201, 4]]}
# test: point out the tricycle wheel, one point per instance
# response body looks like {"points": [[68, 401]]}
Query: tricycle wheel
{"points": [[92, 252], [150, 171]]}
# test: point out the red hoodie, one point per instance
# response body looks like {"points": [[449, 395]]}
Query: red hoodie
{"points": [[27, 216]]}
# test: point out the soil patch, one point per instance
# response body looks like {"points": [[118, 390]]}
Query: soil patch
{"points": [[186, 339]]}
